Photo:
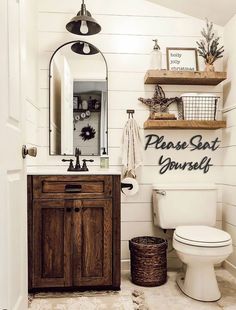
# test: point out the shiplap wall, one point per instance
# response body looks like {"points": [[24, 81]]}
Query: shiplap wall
{"points": [[128, 28], [31, 75], [229, 141]]}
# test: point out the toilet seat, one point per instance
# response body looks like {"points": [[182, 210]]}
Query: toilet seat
{"points": [[202, 236]]}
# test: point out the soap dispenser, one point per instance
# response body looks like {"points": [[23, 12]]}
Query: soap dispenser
{"points": [[156, 57], [104, 159]]}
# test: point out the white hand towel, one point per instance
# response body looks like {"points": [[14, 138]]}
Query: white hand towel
{"points": [[131, 148]]}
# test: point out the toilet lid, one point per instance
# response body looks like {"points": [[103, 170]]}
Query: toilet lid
{"points": [[203, 236]]}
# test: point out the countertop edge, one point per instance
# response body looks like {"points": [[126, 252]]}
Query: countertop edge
{"points": [[48, 172]]}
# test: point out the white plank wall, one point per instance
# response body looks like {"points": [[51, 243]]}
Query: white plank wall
{"points": [[31, 87], [128, 28], [229, 142]]}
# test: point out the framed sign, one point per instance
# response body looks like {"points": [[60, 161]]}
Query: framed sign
{"points": [[181, 59]]}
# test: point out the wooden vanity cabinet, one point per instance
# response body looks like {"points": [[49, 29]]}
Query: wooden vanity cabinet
{"points": [[73, 232]]}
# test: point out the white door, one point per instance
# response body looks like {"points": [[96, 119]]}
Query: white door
{"points": [[66, 109], [13, 210]]}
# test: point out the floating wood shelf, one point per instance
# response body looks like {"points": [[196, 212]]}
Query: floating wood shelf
{"points": [[84, 110], [184, 77], [184, 124]]}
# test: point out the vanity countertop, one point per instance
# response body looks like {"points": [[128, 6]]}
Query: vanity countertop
{"points": [[63, 171]]}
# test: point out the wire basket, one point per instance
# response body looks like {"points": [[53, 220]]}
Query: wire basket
{"points": [[200, 107]]}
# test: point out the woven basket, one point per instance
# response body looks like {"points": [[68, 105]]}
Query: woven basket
{"points": [[148, 261]]}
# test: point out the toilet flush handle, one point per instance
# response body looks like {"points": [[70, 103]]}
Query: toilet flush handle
{"points": [[163, 193]]}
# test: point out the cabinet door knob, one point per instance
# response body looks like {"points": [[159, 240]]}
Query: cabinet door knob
{"points": [[77, 209]]}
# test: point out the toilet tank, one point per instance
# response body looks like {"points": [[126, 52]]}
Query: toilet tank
{"points": [[184, 204]]}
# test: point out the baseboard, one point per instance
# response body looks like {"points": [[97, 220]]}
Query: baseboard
{"points": [[22, 303], [230, 268], [125, 265]]}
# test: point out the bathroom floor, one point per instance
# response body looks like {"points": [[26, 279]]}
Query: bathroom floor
{"points": [[165, 297]]}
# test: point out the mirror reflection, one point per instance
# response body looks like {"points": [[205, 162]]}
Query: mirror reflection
{"points": [[78, 100]]}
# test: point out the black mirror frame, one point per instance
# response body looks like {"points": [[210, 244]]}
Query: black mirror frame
{"points": [[49, 93]]}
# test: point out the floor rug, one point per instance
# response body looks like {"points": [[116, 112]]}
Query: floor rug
{"points": [[125, 300]]}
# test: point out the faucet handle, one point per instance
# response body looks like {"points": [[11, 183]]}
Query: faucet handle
{"points": [[84, 167], [71, 167]]}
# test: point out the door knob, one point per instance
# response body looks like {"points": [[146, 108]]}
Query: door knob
{"points": [[32, 151]]}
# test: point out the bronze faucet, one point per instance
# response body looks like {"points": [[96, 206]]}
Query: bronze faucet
{"points": [[77, 166]]}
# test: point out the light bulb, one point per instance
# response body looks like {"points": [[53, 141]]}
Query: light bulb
{"points": [[86, 48], [84, 27]]}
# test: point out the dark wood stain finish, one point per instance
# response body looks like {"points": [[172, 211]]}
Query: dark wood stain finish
{"points": [[51, 243], [30, 229], [116, 233], [73, 187], [93, 243], [74, 237]]}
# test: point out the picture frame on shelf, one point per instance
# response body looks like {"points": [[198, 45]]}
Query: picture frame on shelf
{"points": [[182, 59]]}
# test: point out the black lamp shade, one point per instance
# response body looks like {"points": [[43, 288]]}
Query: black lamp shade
{"points": [[78, 48], [74, 26]]}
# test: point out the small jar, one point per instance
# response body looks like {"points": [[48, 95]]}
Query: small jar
{"points": [[104, 160]]}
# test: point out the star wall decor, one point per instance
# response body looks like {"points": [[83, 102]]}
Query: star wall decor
{"points": [[159, 103]]}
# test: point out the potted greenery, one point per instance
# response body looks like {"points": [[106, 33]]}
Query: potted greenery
{"points": [[208, 47]]}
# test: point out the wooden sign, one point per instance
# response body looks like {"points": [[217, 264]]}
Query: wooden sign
{"points": [[181, 59]]}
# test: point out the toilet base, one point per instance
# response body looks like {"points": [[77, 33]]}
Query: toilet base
{"points": [[201, 286]]}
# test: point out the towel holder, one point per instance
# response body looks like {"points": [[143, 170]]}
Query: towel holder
{"points": [[130, 112]]}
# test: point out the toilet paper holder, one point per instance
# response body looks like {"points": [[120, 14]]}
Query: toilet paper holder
{"points": [[163, 193], [126, 185]]}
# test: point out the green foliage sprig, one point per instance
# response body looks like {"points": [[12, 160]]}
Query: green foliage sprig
{"points": [[208, 48]]}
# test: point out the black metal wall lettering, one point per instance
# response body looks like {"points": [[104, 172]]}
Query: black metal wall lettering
{"points": [[195, 143], [169, 164]]}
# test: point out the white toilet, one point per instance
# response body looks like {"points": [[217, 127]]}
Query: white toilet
{"points": [[190, 209]]}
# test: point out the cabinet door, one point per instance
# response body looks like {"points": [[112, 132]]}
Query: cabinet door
{"points": [[51, 257], [92, 251]]}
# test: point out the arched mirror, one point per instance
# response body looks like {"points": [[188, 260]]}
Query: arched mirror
{"points": [[78, 100]]}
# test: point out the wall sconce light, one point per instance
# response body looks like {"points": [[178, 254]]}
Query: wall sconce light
{"points": [[84, 48], [83, 23]]}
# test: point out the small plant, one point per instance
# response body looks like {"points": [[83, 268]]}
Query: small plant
{"points": [[208, 47]]}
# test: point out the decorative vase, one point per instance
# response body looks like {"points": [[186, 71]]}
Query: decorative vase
{"points": [[209, 67], [85, 105]]}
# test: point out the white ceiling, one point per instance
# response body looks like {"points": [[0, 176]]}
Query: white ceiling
{"points": [[217, 11]]}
